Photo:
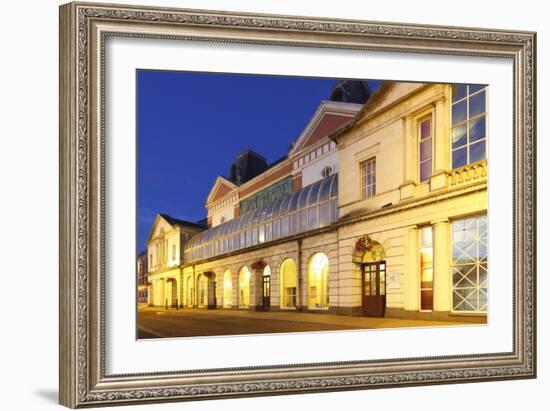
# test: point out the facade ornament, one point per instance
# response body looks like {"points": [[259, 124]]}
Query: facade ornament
{"points": [[258, 265]]}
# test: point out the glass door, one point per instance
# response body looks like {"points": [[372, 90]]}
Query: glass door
{"points": [[374, 288], [266, 292]]}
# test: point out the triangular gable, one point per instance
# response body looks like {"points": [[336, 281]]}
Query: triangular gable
{"points": [[329, 117], [221, 187], [158, 224]]}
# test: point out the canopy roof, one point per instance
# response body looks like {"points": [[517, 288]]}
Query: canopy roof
{"points": [[312, 207]]}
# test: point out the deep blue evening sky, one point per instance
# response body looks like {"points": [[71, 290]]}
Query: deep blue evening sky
{"points": [[191, 126]]}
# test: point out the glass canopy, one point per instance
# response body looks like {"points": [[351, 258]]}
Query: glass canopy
{"points": [[314, 206]]}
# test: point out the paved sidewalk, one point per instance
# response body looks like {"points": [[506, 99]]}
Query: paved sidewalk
{"points": [[157, 322]]}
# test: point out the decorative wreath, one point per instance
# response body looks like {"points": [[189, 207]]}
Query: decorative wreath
{"points": [[364, 244], [258, 265]]}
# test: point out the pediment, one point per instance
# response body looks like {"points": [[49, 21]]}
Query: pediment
{"points": [[329, 117], [220, 189], [159, 225]]}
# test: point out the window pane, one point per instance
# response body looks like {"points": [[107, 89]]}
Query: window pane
{"points": [[426, 150], [425, 170], [459, 137], [477, 151], [324, 214], [459, 157], [477, 129], [425, 129], [459, 91], [475, 87], [477, 104], [313, 221], [459, 112]]}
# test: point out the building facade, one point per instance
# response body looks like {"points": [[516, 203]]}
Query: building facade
{"points": [[142, 282], [379, 209]]}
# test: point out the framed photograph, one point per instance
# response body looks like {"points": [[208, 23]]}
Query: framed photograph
{"points": [[261, 205]]}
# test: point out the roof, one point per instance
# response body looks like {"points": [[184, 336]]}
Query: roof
{"points": [[312, 207], [176, 221]]}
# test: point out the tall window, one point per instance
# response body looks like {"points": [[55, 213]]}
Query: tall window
{"points": [[368, 178], [288, 284], [425, 149], [469, 265], [244, 287], [227, 289], [173, 252], [426, 268], [318, 281], [469, 129]]}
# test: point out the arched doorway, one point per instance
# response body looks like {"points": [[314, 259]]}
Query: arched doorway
{"points": [[288, 283], [202, 291], [317, 278], [370, 255], [171, 293], [244, 287], [266, 292], [189, 291], [227, 289]]}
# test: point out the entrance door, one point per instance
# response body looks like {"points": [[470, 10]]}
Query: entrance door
{"points": [[374, 289], [267, 292]]}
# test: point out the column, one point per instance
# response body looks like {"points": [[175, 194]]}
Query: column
{"points": [[442, 265], [441, 144], [412, 274]]}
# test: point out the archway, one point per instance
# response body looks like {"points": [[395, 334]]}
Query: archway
{"points": [[189, 291], [244, 287], [370, 255], [202, 291], [317, 277], [171, 293], [288, 283], [266, 289], [227, 289]]}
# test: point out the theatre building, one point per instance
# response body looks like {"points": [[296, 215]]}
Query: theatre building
{"points": [[379, 208]]}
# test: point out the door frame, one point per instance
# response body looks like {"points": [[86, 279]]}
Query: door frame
{"points": [[379, 300], [266, 279]]}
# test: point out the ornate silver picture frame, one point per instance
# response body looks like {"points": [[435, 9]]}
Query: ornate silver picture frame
{"points": [[84, 30]]}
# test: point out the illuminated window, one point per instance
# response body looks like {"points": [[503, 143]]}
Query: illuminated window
{"points": [[426, 268], [227, 289], [368, 178], [425, 149], [318, 281], [468, 128], [326, 171], [244, 287], [469, 264], [288, 284]]}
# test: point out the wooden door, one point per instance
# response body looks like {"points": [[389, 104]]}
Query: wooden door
{"points": [[266, 292], [374, 289]]}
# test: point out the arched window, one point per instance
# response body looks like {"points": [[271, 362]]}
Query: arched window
{"points": [[288, 283], [227, 289], [326, 171], [318, 281], [244, 287]]}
